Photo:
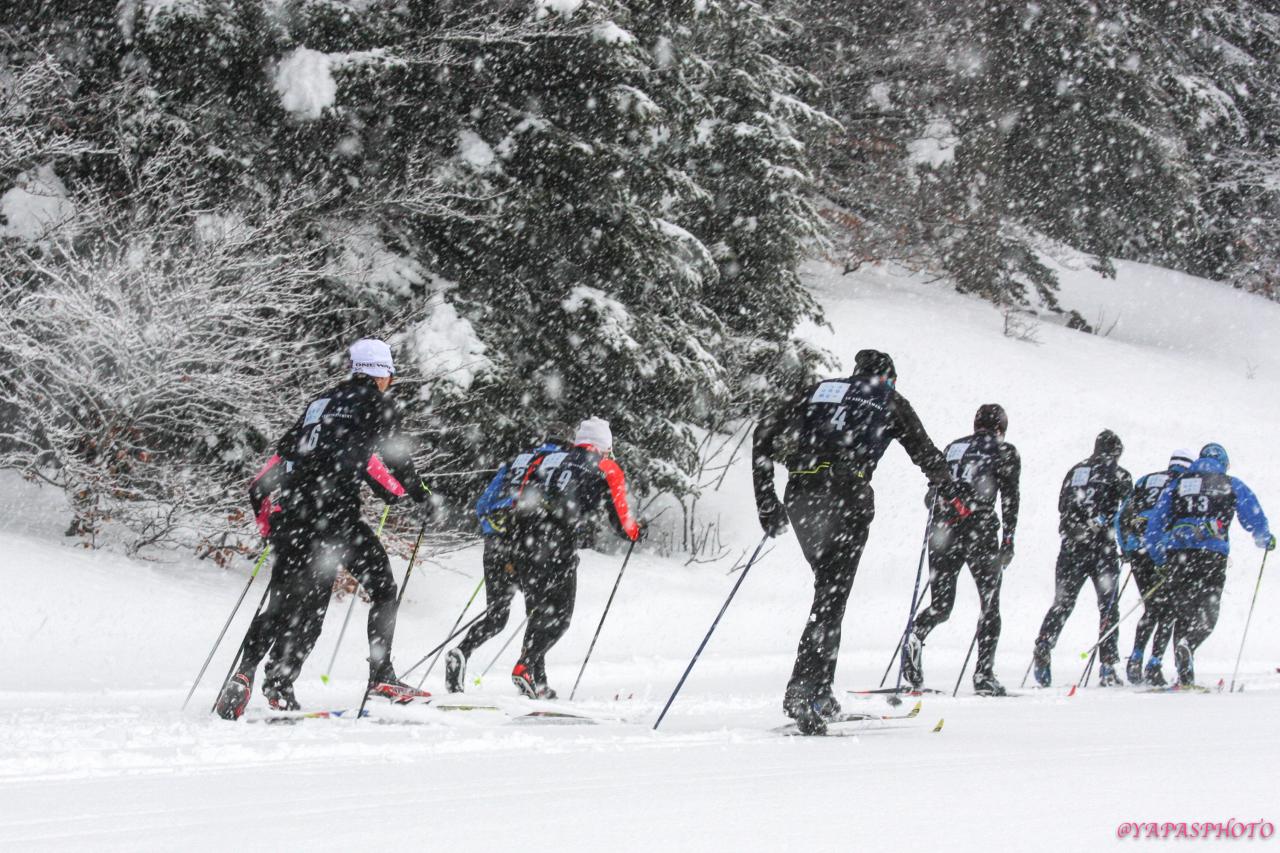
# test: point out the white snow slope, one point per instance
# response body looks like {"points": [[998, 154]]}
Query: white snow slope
{"points": [[97, 651]]}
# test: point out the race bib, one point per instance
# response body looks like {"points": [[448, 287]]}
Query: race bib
{"points": [[1189, 486], [315, 411], [956, 451], [830, 392], [1080, 476]]}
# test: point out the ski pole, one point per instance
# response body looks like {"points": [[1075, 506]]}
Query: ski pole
{"points": [[509, 641], [915, 602], [346, 620], [982, 618], [235, 661], [456, 623], [1249, 619], [607, 605], [710, 631], [1088, 667], [1102, 639], [897, 650], [239, 601]]}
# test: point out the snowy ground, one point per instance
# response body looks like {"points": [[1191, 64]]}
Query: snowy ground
{"points": [[98, 650]]}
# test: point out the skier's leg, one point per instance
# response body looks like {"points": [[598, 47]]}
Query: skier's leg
{"points": [[1105, 573], [832, 528], [367, 561], [546, 565], [984, 564], [946, 556], [304, 614], [499, 587], [1143, 576], [1210, 574], [1069, 576]]}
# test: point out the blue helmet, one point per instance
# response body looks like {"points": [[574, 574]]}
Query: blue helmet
{"points": [[1217, 453]]}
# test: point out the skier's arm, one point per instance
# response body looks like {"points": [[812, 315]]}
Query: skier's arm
{"points": [[1153, 536], [1009, 474], [395, 457], [1250, 513], [773, 517], [621, 516], [911, 435], [382, 481], [485, 503]]}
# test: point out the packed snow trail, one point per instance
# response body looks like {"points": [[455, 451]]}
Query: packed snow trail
{"points": [[99, 650]]}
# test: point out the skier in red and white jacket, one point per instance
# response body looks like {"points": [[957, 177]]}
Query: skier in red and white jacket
{"points": [[307, 503], [561, 493]]}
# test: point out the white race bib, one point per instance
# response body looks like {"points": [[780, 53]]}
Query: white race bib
{"points": [[1080, 476], [830, 392], [1189, 486]]}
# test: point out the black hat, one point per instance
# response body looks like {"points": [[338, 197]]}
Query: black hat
{"points": [[872, 362], [1108, 444], [559, 432], [991, 417]]}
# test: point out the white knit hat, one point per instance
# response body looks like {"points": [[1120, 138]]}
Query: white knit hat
{"points": [[595, 431], [371, 357], [1182, 457]]}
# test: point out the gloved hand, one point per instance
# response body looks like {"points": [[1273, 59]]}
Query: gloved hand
{"points": [[773, 518], [953, 495], [1265, 541], [263, 517], [642, 531], [1006, 551]]}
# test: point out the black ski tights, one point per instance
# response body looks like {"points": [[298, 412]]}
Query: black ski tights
{"points": [[307, 560], [831, 521]]}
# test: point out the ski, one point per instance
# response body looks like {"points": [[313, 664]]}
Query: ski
{"points": [[904, 691], [792, 729], [1177, 688]]}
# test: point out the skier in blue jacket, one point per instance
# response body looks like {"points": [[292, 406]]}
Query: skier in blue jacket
{"points": [[1187, 534], [1131, 524], [492, 509]]}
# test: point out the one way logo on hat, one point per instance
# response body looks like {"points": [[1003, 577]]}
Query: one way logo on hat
{"points": [[372, 357]]}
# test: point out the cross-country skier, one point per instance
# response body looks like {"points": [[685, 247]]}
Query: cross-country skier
{"points": [[1087, 507], [1131, 525], [558, 497], [1188, 536], [986, 467], [307, 501], [494, 511], [831, 437]]}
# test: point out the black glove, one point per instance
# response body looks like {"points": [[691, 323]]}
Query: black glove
{"points": [[773, 518], [642, 531], [953, 495], [1006, 551]]}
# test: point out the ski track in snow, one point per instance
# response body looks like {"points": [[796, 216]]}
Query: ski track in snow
{"points": [[98, 651]]}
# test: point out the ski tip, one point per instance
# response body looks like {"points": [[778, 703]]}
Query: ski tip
{"points": [[324, 679], [1084, 656], [938, 727], [1071, 692], [914, 712]]}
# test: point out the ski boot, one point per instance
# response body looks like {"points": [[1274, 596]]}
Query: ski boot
{"points": [[807, 710], [234, 696], [1184, 660], [280, 696], [1154, 673], [827, 706], [1107, 676], [912, 667], [455, 670], [386, 686], [1040, 661], [985, 684], [1133, 667], [531, 684]]}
